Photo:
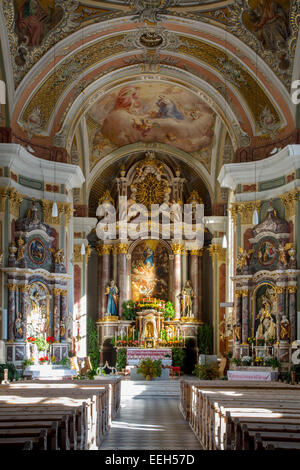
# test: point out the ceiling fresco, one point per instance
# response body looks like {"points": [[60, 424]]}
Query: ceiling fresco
{"points": [[150, 112]]}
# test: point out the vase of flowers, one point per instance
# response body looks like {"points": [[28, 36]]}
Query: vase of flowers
{"points": [[150, 369], [44, 360]]}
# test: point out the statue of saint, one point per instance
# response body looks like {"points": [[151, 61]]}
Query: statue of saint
{"points": [[18, 327], [267, 327], [187, 296], [284, 328], [112, 293]]}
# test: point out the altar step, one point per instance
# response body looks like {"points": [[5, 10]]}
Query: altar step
{"points": [[149, 419]]}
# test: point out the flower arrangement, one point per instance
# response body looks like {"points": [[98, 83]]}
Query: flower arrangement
{"points": [[251, 340], [246, 360], [237, 361], [258, 361], [149, 368], [260, 341], [151, 303], [270, 340], [44, 360], [41, 343]]}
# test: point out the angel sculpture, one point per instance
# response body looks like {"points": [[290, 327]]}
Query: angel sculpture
{"points": [[243, 259], [58, 256]]}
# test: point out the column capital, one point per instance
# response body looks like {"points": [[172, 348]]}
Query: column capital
{"points": [[197, 252], [24, 287], [12, 287], [122, 248], [104, 249], [177, 248], [57, 291], [279, 289], [217, 250], [292, 289], [245, 293]]}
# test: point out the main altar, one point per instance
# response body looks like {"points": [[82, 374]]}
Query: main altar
{"points": [[150, 286]]}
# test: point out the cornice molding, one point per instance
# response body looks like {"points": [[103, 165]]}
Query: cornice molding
{"points": [[20, 161]]}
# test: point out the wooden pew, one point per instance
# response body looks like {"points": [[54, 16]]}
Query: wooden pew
{"points": [[38, 442]]}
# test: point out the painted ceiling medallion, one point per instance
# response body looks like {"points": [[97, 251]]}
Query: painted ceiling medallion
{"points": [[151, 39]]}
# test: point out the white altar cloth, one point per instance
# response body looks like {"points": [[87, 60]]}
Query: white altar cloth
{"points": [[252, 375]]}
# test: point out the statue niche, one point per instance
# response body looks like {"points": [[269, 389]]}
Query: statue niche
{"points": [[265, 315], [38, 310]]}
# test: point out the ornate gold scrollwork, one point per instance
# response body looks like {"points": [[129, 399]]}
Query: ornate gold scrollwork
{"points": [[177, 248], [217, 250], [289, 201], [3, 196], [245, 210], [15, 200]]}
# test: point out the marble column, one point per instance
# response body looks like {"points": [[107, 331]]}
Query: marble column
{"points": [[280, 291], [116, 273], [184, 267], [128, 277], [292, 311], [56, 314], [245, 316], [99, 283], [63, 315], [237, 320], [23, 309], [11, 310], [122, 274], [105, 275], [171, 277], [194, 277], [177, 250], [200, 293]]}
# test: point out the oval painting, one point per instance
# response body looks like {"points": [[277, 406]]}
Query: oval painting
{"points": [[267, 252], [37, 251]]}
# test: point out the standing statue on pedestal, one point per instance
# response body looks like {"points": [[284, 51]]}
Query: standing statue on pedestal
{"points": [[187, 296], [284, 329], [112, 300], [18, 327]]}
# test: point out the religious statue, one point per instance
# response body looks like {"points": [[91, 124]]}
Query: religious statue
{"points": [[18, 327], [292, 260], [266, 328], [284, 328], [59, 257], [237, 329], [21, 249], [112, 292], [62, 330], [282, 256], [186, 297], [243, 259]]}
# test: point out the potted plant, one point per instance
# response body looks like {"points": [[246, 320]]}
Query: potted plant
{"points": [[246, 361], [271, 361], [270, 340], [150, 369], [207, 371], [260, 341]]}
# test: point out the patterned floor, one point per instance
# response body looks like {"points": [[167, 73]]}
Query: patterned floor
{"points": [[150, 419]]}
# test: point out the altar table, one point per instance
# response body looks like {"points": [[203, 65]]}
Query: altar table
{"points": [[135, 355]]}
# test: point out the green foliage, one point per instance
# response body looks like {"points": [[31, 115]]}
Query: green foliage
{"points": [[121, 359], [12, 372], [128, 310], [93, 345], [205, 339], [164, 335], [178, 357], [64, 362], [169, 312], [151, 368], [271, 362], [207, 371], [26, 363]]}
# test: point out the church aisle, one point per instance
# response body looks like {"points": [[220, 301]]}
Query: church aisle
{"points": [[149, 418]]}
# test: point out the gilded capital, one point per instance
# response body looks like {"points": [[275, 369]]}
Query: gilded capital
{"points": [[279, 290], [56, 291], [24, 288], [245, 293], [78, 257], [292, 289], [245, 210], [12, 287], [289, 201], [217, 250], [122, 248], [177, 248]]}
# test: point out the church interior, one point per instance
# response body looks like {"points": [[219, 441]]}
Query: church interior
{"points": [[139, 112]]}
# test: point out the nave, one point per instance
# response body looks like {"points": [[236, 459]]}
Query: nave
{"points": [[149, 418]]}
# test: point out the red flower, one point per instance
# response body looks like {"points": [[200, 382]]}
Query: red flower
{"points": [[50, 339], [46, 358]]}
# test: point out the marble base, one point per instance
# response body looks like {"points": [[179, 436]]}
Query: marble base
{"points": [[50, 372]]}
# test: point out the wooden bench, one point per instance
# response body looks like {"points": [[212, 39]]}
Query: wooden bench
{"points": [[34, 443]]}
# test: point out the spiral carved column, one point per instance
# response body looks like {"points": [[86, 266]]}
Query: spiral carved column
{"points": [[11, 310]]}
